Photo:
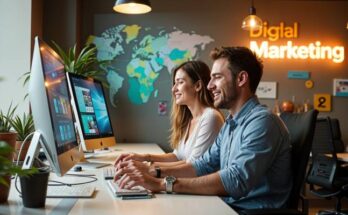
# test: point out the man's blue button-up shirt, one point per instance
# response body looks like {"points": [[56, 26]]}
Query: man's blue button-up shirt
{"points": [[252, 155]]}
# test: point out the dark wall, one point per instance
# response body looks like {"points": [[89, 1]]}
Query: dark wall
{"points": [[319, 20], [60, 22]]}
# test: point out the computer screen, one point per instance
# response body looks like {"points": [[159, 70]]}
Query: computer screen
{"points": [[92, 115], [51, 108]]}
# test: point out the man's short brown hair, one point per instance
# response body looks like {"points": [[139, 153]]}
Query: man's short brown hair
{"points": [[241, 59]]}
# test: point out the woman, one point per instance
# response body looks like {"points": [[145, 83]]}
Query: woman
{"points": [[195, 122]]}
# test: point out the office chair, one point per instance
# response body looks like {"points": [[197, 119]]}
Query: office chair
{"points": [[327, 178], [324, 133], [301, 128]]}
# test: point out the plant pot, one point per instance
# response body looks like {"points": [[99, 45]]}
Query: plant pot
{"points": [[5, 190], [34, 189], [24, 150], [9, 138]]}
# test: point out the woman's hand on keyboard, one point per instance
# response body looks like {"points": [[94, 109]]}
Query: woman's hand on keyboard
{"points": [[129, 167], [130, 156]]}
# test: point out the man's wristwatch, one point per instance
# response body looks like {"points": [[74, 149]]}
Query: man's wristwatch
{"points": [[169, 182]]}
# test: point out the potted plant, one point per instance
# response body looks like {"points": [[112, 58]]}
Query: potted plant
{"points": [[7, 169], [24, 127], [5, 126], [84, 63]]}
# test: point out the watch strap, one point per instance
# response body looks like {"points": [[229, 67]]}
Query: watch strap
{"points": [[158, 171]]}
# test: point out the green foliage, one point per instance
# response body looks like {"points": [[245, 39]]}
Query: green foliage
{"points": [[6, 118], [23, 126], [26, 78], [85, 63], [6, 166]]}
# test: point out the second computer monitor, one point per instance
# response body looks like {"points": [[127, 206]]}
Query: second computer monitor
{"points": [[91, 113]]}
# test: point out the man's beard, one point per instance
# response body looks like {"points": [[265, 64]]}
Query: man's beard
{"points": [[227, 101]]}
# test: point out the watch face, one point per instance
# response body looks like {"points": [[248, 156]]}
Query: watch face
{"points": [[170, 179]]}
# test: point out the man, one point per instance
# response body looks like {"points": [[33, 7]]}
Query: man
{"points": [[249, 162]]}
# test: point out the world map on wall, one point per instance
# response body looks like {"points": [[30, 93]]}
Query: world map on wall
{"points": [[143, 53]]}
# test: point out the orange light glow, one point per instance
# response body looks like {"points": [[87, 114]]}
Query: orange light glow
{"points": [[313, 51], [48, 84]]}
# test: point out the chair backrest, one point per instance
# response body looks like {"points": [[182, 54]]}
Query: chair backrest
{"points": [[326, 136], [323, 169], [301, 127], [336, 132]]}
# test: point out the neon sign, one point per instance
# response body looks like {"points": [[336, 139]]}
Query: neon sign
{"points": [[314, 50]]}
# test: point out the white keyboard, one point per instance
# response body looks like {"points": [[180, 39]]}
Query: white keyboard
{"points": [[74, 191], [109, 173], [135, 191]]}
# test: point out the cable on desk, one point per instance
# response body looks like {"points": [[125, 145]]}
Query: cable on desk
{"points": [[42, 165], [59, 183]]}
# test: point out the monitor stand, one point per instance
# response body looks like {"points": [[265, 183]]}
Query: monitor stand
{"points": [[34, 149], [84, 163]]}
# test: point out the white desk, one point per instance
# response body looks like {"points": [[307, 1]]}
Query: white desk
{"points": [[342, 156], [104, 203]]}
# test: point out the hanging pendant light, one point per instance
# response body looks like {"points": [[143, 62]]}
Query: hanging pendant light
{"points": [[132, 6], [252, 22]]}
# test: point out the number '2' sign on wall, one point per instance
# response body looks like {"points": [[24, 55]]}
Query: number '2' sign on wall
{"points": [[322, 102]]}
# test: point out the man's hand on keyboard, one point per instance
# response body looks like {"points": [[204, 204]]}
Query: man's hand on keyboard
{"points": [[134, 173]]}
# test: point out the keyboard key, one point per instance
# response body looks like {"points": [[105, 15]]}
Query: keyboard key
{"points": [[109, 173]]}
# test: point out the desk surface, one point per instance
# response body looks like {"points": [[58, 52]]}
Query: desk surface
{"points": [[104, 203], [342, 156]]}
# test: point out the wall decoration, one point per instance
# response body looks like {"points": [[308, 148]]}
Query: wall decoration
{"points": [[162, 108], [140, 53], [322, 102], [267, 90], [315, 50], [298, 75], [340, 87], [309, 84]]}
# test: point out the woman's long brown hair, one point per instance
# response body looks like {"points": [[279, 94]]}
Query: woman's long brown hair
{"points": [[181, 115]]}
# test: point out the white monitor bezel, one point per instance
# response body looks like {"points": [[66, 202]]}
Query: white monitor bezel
{"points": [[42, 118], [89, 143]]}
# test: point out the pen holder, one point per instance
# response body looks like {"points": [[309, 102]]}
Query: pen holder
{"points": [[34, 189]]}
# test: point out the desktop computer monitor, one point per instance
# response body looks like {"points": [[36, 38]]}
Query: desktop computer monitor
{"points": [[52, 112], [91, 113]]}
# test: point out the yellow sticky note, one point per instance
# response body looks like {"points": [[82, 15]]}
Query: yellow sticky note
{"points": [[322, 102]]}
